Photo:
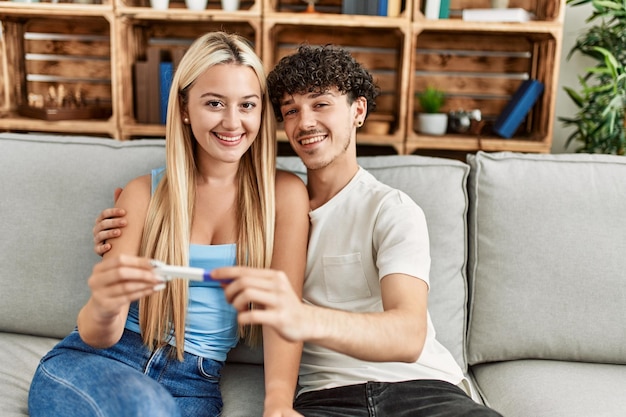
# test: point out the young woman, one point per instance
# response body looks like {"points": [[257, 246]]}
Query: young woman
{"points": [[148, 347]]}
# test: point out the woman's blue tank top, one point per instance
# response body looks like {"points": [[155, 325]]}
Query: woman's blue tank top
{"points": [[211, 326]]}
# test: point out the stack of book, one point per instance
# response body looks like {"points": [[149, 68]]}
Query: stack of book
{"points": [[436, 9], [509, 15], [389, 8]]}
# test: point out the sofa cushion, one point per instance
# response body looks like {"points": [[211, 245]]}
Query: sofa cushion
{"points": [[553, 388], [547, 257], [52, 189], [437, 185], [19, 357]]}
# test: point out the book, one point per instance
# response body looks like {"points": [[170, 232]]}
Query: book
{"points": [[349, 6], [431, 9], [366, 7], [517, 108], [371, 7], [141, 92], [444, 9], [152, 79], [166, 74], [394, 7], [382, 8], [514, 15]]}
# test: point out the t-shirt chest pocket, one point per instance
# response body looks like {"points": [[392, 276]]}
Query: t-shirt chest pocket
{"points": [[344, 278]]}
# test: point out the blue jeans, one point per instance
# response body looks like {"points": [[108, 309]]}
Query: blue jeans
{"points": [[420, 398], [127, 379]]}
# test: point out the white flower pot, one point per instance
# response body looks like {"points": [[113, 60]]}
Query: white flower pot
{"points": [[434, 124], [230, 5], [197, 5], [160, 4]]}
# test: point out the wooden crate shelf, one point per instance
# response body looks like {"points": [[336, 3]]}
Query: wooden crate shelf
{"points": [[379, 49], [168, 36], [479, 65], [482, 70], [67, 58]]}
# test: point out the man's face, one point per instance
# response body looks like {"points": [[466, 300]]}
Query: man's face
{"points": [[320, 126]]}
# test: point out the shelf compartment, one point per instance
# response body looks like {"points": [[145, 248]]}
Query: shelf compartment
{"points": [[328, 10], [213, 7], [172, 38], [380, 50], [544, 10], [482, 71], [66, 57]]}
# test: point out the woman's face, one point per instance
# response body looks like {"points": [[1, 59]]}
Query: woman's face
{"points": [[224, 108]]}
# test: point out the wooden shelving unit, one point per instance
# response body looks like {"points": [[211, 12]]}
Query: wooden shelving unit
{"points": [[479, 66], [95, 47]]}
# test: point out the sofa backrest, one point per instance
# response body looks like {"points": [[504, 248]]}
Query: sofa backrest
{"points": [[52, 189], [547, 260], [437, 185]]}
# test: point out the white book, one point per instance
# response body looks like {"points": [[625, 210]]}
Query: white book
{"points": [[517, 15], [431, 10]]}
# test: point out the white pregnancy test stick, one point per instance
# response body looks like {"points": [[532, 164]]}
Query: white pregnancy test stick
{"points": [[170, 272]]}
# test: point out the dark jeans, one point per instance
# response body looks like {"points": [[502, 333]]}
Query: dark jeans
{"points": [[423, 398]]}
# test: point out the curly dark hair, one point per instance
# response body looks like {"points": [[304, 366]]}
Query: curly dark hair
{"points": [[318, 69]]}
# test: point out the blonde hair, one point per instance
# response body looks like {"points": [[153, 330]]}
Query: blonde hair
{"points": [[168, 224]]}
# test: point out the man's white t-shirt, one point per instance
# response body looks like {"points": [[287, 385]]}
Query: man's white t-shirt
{"points": [[367, 231]]}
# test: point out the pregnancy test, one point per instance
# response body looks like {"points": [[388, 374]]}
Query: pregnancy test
{"points": [[170, 272]]}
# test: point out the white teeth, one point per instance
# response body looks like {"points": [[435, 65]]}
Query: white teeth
{"points": [[312, 140], [228, 138]]}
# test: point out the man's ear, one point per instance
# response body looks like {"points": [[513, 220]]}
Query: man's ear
{"points": [[360, 109]]}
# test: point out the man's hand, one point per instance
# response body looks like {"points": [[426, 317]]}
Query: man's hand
{"points": [[278, 306], [108, 225]]}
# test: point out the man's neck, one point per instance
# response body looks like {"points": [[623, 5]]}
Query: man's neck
{"points": [[323, 184]]}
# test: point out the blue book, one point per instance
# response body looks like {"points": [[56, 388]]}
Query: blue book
{"points": [[166, 74], [382, 7], [517, 108]]}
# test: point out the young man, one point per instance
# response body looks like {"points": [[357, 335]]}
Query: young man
{"points": [[369, 345]]}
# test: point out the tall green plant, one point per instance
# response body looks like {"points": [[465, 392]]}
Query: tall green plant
{"points": [[599, 122]]}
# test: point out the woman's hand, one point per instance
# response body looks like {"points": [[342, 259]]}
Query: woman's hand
{"points": [[118, 281]]}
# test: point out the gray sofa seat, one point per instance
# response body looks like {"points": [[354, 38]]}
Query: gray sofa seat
{"points": [[550, 388]]}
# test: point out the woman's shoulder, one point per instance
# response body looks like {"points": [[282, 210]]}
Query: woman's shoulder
{"points": [[290, 187], [288, 180], [141, 183], [137, 191]]}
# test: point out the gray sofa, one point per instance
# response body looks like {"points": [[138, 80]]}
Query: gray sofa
{"points": [[528, 273]]}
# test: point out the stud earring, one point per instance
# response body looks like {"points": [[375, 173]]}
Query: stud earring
{"points": [[359, 123], [186, 120]]}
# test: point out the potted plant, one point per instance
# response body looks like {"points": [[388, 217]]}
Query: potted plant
{"points": [[430, 120], [599, 123]]}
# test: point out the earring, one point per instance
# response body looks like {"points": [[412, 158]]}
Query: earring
{"points": [[186, 120], [359, 123]]}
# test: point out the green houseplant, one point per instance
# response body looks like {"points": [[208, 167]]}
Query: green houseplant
{"points": [[599, 123], [430, 120]]}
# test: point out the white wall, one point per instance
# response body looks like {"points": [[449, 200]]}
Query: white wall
{"points": [[569, 71]]}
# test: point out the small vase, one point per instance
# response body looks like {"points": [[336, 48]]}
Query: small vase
{"points": [[499, 4], [160, 4], [197, 5], [230, 5]]}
